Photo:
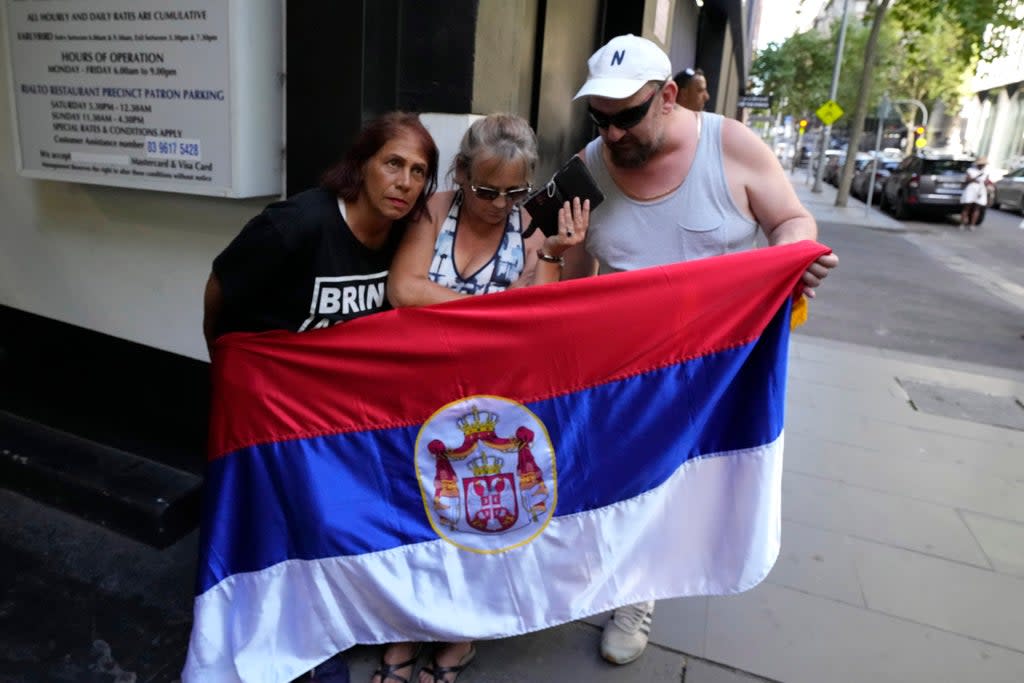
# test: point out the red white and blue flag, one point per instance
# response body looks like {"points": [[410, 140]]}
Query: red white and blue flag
{"points": [[495, 465]]}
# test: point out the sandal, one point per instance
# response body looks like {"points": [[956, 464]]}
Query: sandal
{"points": [[387, 671], [437, 673]]}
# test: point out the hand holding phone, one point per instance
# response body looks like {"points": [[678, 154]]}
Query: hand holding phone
{"points": [[572, 180]]}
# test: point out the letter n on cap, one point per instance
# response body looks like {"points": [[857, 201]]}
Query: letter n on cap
{"points": [[618, 56]]}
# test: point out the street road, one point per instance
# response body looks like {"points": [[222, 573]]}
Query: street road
{"points": [[932, 290]]}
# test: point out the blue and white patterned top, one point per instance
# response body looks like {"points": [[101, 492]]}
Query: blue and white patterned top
{"points": [[494, 276]]}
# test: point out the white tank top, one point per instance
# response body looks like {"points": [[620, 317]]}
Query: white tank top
{"points": [[696, 220]]}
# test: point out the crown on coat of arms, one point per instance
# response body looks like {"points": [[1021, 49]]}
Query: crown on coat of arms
{"points": [[486, 465], [477, 422]]}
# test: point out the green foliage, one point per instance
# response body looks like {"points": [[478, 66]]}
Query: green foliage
{"points": [[926, 50], [798, 72], [971, 19], [923, 64]]}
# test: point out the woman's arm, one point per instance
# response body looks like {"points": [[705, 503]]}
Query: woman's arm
{"points": [[408, 284]]}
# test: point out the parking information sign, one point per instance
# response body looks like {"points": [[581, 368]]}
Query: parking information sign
{"points": [[829, 112], [755, 101], [171, 95]]}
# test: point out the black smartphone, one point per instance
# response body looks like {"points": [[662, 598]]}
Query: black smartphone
{"points": [[572, 180]]}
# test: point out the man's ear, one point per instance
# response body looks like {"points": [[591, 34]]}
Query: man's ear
{"points": [[668, 96]]}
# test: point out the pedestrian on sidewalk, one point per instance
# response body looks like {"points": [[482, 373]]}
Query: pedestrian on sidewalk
{"points": [[679, 185], [693, 89], [975, 194]]}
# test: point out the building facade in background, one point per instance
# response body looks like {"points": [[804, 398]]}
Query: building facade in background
{"points": [[101, 287], [991, 120]]}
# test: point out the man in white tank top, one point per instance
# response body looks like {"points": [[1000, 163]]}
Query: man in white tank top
{"points": [[679, 185]]}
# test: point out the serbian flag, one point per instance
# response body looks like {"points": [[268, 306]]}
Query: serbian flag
{"points": [[493, 466]]}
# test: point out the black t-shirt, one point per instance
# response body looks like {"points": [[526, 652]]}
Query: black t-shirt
{"points": [[297, 266]]}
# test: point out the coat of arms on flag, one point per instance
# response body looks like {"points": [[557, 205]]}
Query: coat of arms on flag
{"points": [[486, 489], [420, 495]]}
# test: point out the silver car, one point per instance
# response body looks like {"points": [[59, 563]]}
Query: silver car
{"points": [[925, 183], [1010, 190]]}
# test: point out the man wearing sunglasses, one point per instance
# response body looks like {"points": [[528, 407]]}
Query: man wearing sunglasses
{"points": [[693, 89], [679, 185]]}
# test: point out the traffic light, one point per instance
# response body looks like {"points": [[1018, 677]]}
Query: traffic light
{"points": [[803, 125], [920, 142]]}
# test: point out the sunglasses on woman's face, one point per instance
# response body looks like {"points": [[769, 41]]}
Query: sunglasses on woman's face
{"points": [[625, 119], [489, 194]]}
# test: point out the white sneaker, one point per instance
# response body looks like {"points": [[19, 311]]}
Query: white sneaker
{"points": [[625, 635]]}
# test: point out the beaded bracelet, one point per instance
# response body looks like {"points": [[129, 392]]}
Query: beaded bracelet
{"points": [[560, 260]]}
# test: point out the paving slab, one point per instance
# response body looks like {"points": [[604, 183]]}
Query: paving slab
{"points": [[1000, 410], [786, 635], [1002, 541], [564, 653], [979, 603], [882, 517], [701, 671], [818, 562]]}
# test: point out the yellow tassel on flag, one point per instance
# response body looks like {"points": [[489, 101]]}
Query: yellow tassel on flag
{"points": [[798, 316]]}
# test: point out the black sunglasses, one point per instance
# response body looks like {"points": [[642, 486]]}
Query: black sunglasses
{"points": [[625, 119], [489, 194]]}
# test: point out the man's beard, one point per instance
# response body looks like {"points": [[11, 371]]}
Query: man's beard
{"points": [[631, 153]]}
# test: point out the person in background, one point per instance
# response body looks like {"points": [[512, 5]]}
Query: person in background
{"points": [[470, 242], [693, 89], [974, 197], [322, 257], [679, 185]]}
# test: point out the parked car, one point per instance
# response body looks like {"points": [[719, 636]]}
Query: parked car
{"points": [[1010, 190], [925, 183], [834, 166], [862, 179], [832, 157]]}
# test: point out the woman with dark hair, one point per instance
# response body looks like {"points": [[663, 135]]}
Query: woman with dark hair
{"points": [[322, 256]]}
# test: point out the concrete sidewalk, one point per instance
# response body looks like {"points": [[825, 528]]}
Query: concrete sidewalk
{"points": [[903, 544], [822, 206]]}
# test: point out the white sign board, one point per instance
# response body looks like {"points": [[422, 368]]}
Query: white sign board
{"points": [[154, 94]]}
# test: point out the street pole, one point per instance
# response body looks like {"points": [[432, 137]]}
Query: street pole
{"points": [[832, 96], [883, 113], [924, 119]]}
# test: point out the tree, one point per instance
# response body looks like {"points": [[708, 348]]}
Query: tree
{"points": [[968, 37], [796, 73], [861, 110]]}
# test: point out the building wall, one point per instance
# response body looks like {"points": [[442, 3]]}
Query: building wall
{"points": [[133, 263], [992, 118], [570, 35], [506, 38], [130, 263], [683, 48]]}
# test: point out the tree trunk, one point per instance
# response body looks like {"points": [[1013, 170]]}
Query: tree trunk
{"points": [[861, 110]]}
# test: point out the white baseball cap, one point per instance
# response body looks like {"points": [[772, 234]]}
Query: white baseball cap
{"points": [[623, 66]]}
